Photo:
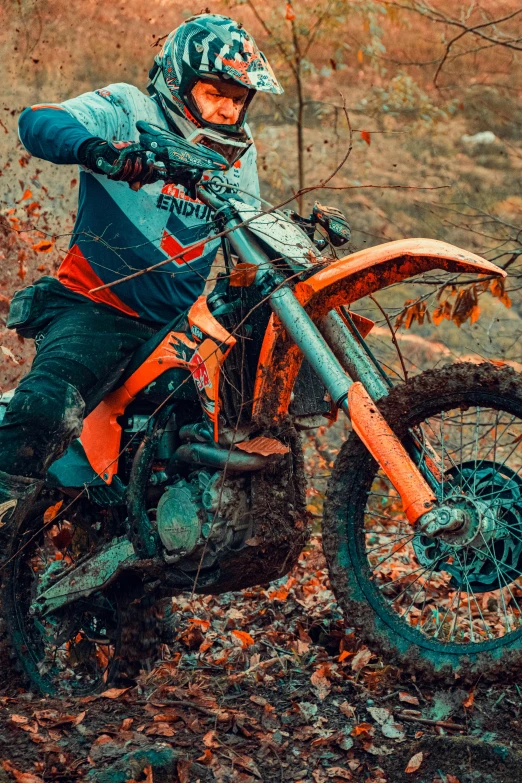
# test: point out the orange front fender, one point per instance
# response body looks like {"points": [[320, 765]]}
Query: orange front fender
{"points": [[343, 282]]}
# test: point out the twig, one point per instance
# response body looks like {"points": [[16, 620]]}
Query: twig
{"points": [[464, 32], [192, 705], [444, 724], [261, 665], [394, 338]]}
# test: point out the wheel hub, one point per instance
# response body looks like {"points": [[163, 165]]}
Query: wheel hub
{"points": [[484, 551]]}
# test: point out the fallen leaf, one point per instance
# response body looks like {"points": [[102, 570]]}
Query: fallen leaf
{"points": [[103, 739], [206, 758], [9, 354], [27, 195], [203, 624], [468, 702], [244, 637], [321, 684], [209, 740], [114, 693], [247, 763], [278, 595], [183, 770], [361, 659], [339, 772], [363, 728], [414, 763], [406, 697], [452, 779], [44, 246], [160, 730], [347, 709], [289, 13], [386, 723], [345, 742], [21, 777], [377, 750], [307, 709], [20, 719], [366, 136], [125, 724], [51, 512]]}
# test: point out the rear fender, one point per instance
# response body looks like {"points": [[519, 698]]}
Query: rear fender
{"points": [[343, 282]]}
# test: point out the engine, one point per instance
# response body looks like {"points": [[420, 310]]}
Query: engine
{"points": [[204, 514]]}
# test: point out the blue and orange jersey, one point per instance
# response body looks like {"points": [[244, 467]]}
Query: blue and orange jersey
{"points": [[119, 231]]}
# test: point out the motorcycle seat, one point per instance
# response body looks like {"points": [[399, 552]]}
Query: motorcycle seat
{"points": [[178, 324], [123, 371]]}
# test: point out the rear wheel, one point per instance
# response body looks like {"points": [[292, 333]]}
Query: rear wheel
{"points": [[452, 605], [75, 651]]}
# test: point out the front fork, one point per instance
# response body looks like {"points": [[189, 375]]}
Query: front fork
{"points": [[353, 398], [352, 394]]}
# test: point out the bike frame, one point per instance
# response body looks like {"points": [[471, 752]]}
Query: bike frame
{"points": [[309, 322], [350, 376]]}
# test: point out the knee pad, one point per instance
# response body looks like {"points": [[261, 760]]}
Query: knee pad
{"points": [[49, 410]]}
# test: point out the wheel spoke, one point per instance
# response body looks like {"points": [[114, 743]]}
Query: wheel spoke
{"points": [[476, 451], [391, 554]]}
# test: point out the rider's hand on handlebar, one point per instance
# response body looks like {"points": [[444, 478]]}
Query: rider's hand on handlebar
{"points": [[129, 163]]}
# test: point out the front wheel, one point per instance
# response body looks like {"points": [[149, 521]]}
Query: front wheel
{"points": [[450, 606]]}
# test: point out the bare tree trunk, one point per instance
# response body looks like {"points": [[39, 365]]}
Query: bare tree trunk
{"points": [[300, 118]]}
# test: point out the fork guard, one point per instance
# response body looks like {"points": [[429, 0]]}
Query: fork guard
{"points": [[342, 283]]}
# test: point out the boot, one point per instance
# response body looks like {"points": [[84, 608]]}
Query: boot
{"points": [[17, 495]]}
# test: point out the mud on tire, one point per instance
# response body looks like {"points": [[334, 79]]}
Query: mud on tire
{"points": [[344, 539]]}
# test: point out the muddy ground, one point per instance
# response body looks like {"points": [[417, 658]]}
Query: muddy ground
{"points": [[266, 685]]}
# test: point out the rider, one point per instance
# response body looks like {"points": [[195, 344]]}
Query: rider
{"points": [[201, 85], [204, 79]]}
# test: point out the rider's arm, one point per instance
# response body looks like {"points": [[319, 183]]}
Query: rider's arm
{"points": [[84, 130], [56, 131], [51, 133]]}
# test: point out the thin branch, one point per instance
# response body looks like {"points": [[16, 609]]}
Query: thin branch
{"points": [[393, 336]]}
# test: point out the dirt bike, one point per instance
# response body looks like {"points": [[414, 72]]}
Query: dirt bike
{"points": [[189, 474]]}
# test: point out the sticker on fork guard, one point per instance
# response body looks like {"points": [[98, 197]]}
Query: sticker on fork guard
{"points": [[199, 372]]}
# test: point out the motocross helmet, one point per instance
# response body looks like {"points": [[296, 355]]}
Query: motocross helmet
{"points": [[209, 46]]}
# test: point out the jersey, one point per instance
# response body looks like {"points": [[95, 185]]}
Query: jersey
{"points": [[119, 231]]}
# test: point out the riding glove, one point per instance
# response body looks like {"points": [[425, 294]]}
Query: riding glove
{"points": [[127, 164]]}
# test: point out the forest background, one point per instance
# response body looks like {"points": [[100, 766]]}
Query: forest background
{"points": [[433, 92]]}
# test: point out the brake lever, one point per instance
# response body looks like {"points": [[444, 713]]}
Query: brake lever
{"points": [[176, 151]]}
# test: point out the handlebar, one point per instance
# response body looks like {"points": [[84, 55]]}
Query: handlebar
{"points": [[175, 154]]}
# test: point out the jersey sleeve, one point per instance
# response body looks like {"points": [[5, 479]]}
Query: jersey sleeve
{"points": [[108, 113], [49, 132], [56, 131]]}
